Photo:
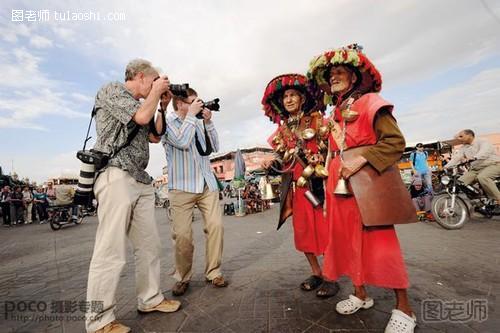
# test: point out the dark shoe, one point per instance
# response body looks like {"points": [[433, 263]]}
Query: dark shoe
{"points": [[311, 283], [219, 282], [328, 289], [180, 288], [167, 305]]}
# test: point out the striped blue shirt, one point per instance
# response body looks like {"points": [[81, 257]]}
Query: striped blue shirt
{"points": [[188, 171]]}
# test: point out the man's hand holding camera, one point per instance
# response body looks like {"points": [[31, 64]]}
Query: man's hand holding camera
{"points": [[195, 107], [160, 85]]}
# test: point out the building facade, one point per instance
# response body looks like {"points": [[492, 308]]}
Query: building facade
{"points": [[223, 164]]}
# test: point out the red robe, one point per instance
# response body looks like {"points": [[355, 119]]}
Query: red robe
{"points": [[367, 255], [310, 228]]}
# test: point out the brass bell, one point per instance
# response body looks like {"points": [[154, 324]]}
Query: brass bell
{"points": [[280, 148], [268, 192], [323, 131], [320, 171], [308, 134], [322, 146], [288, 154], [308, 171], [342, 188], [301, 182]]}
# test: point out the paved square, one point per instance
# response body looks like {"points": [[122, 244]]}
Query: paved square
{"points": [[264, 269]]}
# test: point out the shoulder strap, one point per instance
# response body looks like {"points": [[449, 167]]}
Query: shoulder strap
{"points": [[132, 130], [208, 144]]}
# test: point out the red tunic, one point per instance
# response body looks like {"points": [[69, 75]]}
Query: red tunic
{"points": [[367, 255], [310, 228]]}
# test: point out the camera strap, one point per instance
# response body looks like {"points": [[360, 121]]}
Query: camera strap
{"points": [[132, 130], [209, 149], [152, 125]]}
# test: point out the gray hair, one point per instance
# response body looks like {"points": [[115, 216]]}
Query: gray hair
{"points": [[139, 65], [469, 132]]}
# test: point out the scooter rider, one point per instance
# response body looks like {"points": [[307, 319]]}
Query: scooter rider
{"points": [[484, 164]]}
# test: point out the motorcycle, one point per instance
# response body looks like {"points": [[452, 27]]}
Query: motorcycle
{"points": [[453, 207], [61, 215]]}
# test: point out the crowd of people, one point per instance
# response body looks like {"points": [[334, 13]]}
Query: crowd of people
{"points": [[25, 204], [28, 204]]}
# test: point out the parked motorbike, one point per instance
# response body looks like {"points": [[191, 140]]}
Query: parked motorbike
{"points": [[453, 207]]}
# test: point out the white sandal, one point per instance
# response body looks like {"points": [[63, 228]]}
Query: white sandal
{"points": [[353, 304], [400, 322]]}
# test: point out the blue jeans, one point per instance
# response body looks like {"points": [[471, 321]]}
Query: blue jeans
{"points": [[427, 180]]}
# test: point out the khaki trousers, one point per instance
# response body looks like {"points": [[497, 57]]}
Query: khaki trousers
{"points": [[485, 177], [126, 210], [182, 205]]}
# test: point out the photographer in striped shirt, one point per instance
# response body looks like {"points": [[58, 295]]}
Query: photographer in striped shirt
{"points": [[188, 142]]}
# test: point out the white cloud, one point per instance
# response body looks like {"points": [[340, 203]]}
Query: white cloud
{"points": [[29, 94], [473, 104], [40, 42]]}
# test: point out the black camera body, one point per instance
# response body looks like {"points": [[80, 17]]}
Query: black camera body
{"points": [[94, 157], [212, 105], [179, 89]]}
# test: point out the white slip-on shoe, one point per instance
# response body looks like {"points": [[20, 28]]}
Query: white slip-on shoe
{"points": [[353, 304], [400, 322]]}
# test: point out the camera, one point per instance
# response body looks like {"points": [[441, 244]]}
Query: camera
{"points": [[92, 161], [179, 89], [212, 105]]}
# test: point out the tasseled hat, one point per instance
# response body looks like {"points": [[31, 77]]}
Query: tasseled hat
{"points": [[369, 78], [272, 100]]}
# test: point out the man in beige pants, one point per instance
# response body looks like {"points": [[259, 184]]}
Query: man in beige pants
{"points": [[126, 197], [484, 164], [188, 142]]}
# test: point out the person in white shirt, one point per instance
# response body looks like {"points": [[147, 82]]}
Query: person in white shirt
{"points": [[484, 163]]}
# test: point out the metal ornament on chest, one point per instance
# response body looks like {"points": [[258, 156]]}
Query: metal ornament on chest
{"points": [[348, 115]]}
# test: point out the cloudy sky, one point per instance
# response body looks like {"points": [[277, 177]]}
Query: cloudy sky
{"points": [[440, 62]]}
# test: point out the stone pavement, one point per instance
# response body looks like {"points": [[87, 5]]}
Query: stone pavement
{"points": [[50, 268]]}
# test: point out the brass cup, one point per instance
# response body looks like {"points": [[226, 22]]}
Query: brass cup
{"points": [[350, 115], [320, 171], [308, 171], [308, 133], [301, 182]]}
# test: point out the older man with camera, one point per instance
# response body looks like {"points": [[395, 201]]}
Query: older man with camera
{"points": [[188, 142], [126, 197]]}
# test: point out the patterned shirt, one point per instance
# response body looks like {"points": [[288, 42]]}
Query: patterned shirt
{"points": [[188, 171], [115, 107]]}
